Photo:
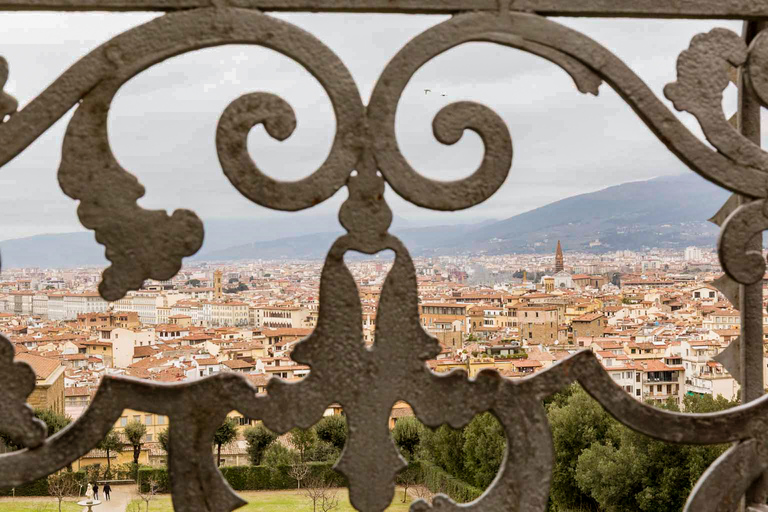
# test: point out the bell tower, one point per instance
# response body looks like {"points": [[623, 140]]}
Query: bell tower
{"points": [[217, 291], [559, 264]]}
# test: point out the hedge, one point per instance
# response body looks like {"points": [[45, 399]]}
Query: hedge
{"points": [[39, 487], [249, 478], [438, 480]]}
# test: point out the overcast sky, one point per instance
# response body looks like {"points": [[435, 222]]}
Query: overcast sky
{"points": [[163, 122]]}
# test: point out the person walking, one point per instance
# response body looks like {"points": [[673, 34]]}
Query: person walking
{"points": [[107, 489], [96, 491]]}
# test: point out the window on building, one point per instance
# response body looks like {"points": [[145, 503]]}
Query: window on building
{"points": [[149, 438], [123, 421], [637, 392], [137, 417], [148, 419]]}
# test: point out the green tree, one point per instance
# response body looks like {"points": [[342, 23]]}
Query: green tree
{"points": [[333, 430], [407, 436], [223, 436], [631, 471], [701, 404], [194, 283], [134, 432], [162, 438], [277, 454], [302, 440], [577, 423], [111, 443], [322, 451], [54, 422], [484, 447], [602, 465], [443, 447], [258, 438]]}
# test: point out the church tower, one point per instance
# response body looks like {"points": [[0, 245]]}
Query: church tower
{"points": [[217, 284], [559, 266]]}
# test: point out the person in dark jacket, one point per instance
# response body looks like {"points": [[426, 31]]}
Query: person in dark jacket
{"points": [[95, 490], [107, 489]]}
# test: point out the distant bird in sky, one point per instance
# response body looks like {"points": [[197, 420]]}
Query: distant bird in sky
{"points": [[427, 91]]}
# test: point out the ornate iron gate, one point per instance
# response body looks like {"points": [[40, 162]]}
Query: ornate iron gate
{"points": [[145, 244]]}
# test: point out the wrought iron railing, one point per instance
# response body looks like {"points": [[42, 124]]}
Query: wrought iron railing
{"points": [[144, 244]]}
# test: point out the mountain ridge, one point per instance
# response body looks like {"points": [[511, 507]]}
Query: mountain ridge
{"points": [[667, 211]]}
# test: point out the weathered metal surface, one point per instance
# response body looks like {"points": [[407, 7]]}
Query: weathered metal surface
{"points": [[17, 382], [694, 9], [365, 155]]}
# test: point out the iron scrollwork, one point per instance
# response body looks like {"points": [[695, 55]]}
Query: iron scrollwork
{"points": [[145, 244]]}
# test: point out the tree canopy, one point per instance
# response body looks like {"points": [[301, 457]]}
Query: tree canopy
{"points": [[134, 432], [54, 422], [407, 436], [484, 447], [603, 465], [162, 438], [224, 435], [278, 455], [258, 439], [599, 464], [302, 440], [333, 430], [111, 443]]}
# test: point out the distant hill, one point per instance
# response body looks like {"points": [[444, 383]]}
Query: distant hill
{"points": [[663, 212], [59, 250], [669, 211]]}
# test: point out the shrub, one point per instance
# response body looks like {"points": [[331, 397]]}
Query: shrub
{"points": [[438, 480], [159, 475], [333, 430], [258, 438], [277, 454], [323, 452], [250, 478], [39, 487]]}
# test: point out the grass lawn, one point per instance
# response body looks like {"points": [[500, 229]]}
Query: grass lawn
{"points": [[278, 501], [38, 506]]}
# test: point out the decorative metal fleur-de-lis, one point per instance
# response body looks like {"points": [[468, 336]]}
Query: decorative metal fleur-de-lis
{"points": [[364, 156]]}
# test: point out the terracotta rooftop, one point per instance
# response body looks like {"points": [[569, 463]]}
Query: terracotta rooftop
{"points": [[42, 366]]}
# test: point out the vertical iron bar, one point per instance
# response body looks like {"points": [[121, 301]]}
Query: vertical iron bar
{"points": [[751, 296]]}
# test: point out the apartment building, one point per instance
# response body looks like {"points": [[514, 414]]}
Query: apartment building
{"points": [[622, 370], [281, 316], [444, 316], [155, 423], [538, 325], [720, 319], [660, 381], [591, 324], [95, 321], [225, 314], [124, 341]]}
